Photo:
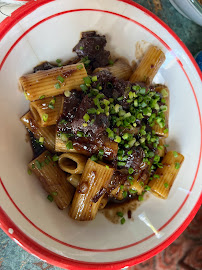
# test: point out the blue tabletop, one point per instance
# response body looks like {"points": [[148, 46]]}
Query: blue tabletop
{"points": [[13, 257]]}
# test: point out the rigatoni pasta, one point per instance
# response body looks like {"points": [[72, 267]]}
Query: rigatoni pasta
{"points": [[164, 177], [91, 189], [72, 163], [52, 82], [53, 179], [46, 111], [149, 66]]}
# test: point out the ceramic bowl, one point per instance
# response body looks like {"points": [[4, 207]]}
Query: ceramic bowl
{"points": [[47, 30]]}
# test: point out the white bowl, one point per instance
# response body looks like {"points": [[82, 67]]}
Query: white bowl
{"points": [[47, 30]]}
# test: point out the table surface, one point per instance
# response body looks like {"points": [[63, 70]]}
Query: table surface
{"points": [[13, 257]]}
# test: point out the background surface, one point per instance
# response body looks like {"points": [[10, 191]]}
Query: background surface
{"points": [[186, 252]]}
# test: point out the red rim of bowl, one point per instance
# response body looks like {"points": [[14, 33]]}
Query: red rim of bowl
{"points": [[31, 246]]}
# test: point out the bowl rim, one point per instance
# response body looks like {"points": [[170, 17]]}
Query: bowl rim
{"points": [[33, 247]]}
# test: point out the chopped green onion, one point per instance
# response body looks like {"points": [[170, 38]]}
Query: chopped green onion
{"points": [[117, 139], [58, 61], [60, 79], [166, 185], [130, 170], [67, 93], [147, 188], [165, 130], [29, 171], [142, 91], [166, 145], [132, 142], [123, 220], [69, 145], [55, 158], [80, 134], [132, 191], [41, 140], [94, 79], [156, 176], [101, 152], [81, 48], [42, 97], [64, 137], [51, 106], [120, 214], [94, 158], [97, 47], [125, 136], [57, 85], [38, 164], [177, 165], [175, 154], [111, 62], [54, 193], [164, 93], [92, 110], [45, 117], [121, 187], [80, 66], [85, 124], [121, 163], [124, 194], [130, 152], [107, 167], [50, 198], [87, 80], [33, 166], [140, 198], [86, 117]]}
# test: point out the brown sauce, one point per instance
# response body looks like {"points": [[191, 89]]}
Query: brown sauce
{"points": [[127, 208]]}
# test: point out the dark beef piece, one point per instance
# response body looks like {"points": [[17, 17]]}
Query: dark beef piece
{"points": [[94, 130], [112, 87], [93, 47], [43, 66], [70, 108], [135, 160]]}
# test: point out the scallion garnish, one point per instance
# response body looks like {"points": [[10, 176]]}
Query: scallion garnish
{"points": [[69, 145], [177, 165], [57, 86], [55, 158], [166, 185], [29, 171], [86, 117], [60, 79], [175, 154], [50, 198], [123, 220], [119, 214], [42, 97]]}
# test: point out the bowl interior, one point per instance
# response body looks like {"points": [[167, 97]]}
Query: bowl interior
{"points": [[48, 33]]}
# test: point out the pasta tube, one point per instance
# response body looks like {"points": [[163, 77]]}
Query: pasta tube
{"points": [[74, 179], [72, 163], [110, 148], [120, 69], [89, 193], [149, 66], [53, 179], [47, 133], [163, 131], [161, 185], [47, 111], [52, 82]]}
